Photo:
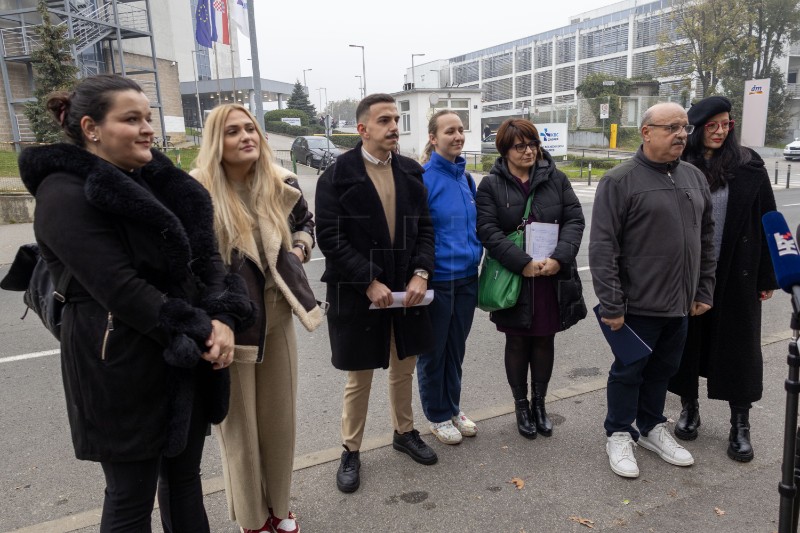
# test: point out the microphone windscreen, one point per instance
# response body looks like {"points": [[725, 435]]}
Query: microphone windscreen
{"points": [[782, 250]]}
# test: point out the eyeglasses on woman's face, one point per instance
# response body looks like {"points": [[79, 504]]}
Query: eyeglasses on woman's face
{"points": [[523, 147], [675, 128], [714, 125]]}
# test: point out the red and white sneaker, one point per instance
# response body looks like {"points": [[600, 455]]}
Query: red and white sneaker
{"points": [[285, 525]]}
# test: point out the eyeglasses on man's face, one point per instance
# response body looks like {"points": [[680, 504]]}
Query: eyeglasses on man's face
{"points": [[523, 147], [713, 126], [672, 129]]}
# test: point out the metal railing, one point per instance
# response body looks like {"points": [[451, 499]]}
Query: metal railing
{"points": [[92, 25]]}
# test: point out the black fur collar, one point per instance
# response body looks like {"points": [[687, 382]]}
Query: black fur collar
{"points": [[177, 206]]}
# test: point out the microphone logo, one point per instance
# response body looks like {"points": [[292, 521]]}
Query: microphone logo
{"points": [[784, 242]]}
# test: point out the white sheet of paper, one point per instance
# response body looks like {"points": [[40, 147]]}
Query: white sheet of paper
{"points": [[398, 298], [540, 240]]}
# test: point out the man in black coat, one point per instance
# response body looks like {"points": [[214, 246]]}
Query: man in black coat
{"points": [[375, 231]]}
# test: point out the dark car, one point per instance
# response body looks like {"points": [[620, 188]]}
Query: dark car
{"points": [[310, 150], [487, 144]]}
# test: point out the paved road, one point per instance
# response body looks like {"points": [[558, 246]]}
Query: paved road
{"points": [[43, 488]]}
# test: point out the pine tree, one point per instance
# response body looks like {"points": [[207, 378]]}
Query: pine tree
{"points": [[299, 100], [53, 71]]}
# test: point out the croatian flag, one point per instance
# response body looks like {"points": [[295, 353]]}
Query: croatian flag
{"points": [[204, 31], [219, 22]]}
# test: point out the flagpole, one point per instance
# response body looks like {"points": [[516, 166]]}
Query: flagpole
{"points": [[216, 67], [230, 44], [251, 23]]}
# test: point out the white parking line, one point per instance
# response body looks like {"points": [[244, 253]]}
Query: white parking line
{"points": [[33, 355]]}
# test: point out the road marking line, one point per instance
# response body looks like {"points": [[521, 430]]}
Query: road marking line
{"points": [[33, 355], [789, 205]]}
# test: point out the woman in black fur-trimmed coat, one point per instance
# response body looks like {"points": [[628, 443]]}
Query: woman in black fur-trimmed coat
{"points": [[147, 328], [724, 344]]}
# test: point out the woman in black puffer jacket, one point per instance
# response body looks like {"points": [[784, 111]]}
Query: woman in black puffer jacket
{"points": [[551, 298]]}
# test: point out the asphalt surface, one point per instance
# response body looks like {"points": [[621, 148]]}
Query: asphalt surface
{"points": [[567, 478]]}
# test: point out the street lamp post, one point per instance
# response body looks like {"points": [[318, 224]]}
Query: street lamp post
{"points": [[196, 91], [413, 77], [360, 87], [304, 78], [363, 66]]}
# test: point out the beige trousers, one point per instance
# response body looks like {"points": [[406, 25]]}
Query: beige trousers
{"points": [[257, 437], [356, 399]]}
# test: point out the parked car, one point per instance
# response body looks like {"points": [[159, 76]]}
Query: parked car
{"points": [[487, 144], [311, 149], [792, 150]]}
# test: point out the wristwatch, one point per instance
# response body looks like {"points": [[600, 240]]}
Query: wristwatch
{"points": [[421, 272], [302, 247]]}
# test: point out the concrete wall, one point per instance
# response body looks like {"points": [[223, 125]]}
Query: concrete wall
{"points": [[16, 209]]}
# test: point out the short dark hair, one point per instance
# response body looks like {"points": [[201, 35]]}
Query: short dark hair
{"points": [[92, 97], [370, 100], [510, 130]]}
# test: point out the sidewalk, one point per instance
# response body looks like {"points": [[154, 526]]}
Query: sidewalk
{"points": [[567, 477]]}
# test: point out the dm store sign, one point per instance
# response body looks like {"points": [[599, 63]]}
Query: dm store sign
{"points": [[554, 137]]}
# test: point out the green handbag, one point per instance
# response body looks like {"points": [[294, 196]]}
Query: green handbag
{"points": [[498, 287]]}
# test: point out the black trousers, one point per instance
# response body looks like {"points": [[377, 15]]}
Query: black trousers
{"points": [[131, 489]]}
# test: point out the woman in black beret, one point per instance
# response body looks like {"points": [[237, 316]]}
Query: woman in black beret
{"points": [[724, 345]]}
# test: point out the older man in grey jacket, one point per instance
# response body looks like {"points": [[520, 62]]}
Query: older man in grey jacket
{"points": [[652, 261]]}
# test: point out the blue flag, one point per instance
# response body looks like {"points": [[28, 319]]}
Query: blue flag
{"points": [[204, 32]]}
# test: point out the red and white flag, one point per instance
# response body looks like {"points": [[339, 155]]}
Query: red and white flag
{"points": [[221, 21]]}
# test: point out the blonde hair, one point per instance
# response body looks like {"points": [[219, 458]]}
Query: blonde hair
{"points": [[433, 128], [233, 221]]}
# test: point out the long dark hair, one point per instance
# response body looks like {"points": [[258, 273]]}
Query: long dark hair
{"points": [[723, 160], [92, 97]]}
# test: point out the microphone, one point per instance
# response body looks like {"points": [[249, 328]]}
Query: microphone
{"points": [[783, 251]]}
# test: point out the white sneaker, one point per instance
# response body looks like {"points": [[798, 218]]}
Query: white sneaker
{"points": [[464, 425], [446, 432], [660, 441], [619, 448]]}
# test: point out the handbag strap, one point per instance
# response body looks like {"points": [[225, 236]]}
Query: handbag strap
{"points": [[527, 212]]}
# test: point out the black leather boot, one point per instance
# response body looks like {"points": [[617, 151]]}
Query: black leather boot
{"points": [[543, 424], [689, 421], [522, 409], [739, 447]]}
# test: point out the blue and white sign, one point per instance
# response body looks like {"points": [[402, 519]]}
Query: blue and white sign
{"points": [[554, 137]]}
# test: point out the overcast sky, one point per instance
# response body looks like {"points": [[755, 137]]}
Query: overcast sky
{"points": [[314, 34]]}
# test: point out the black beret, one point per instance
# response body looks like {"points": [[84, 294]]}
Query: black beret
{"points": [[706, 108]]}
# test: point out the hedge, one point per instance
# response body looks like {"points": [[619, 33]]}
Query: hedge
{"points": [[278, 114], [293, 131]]}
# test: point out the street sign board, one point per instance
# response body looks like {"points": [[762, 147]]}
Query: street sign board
{"points": [[603, 111]]}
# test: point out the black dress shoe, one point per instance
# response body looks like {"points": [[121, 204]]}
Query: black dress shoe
{"points": [[525, 426], [689, 421], [412, 444], [739, 447], [347, 478]]}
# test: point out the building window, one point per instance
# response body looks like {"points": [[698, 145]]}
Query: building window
{"points": [[792, 77], [459, 105], [405, 116]]}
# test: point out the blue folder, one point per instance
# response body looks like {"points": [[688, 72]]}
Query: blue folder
{"points": [[625, 344]]}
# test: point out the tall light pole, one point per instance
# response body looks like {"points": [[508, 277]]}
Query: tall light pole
{"points": [[360, 87], [413, 77], [363, 66], [196, 92], [304, 78]]}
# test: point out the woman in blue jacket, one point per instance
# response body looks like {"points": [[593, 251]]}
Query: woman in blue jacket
{"points": [[451, 200]]}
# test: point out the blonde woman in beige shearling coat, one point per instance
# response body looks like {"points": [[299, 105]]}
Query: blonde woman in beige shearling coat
{"points": [[265, 233]]}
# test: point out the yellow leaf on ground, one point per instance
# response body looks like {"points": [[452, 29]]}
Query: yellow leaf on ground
{"points": [[520, 484], [582, 521], [719, 511]]}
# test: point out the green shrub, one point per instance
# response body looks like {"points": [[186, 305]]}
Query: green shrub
{"points": [[278, 114], [487, 162], [292, 131], [345, 140], [596, 162]]}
